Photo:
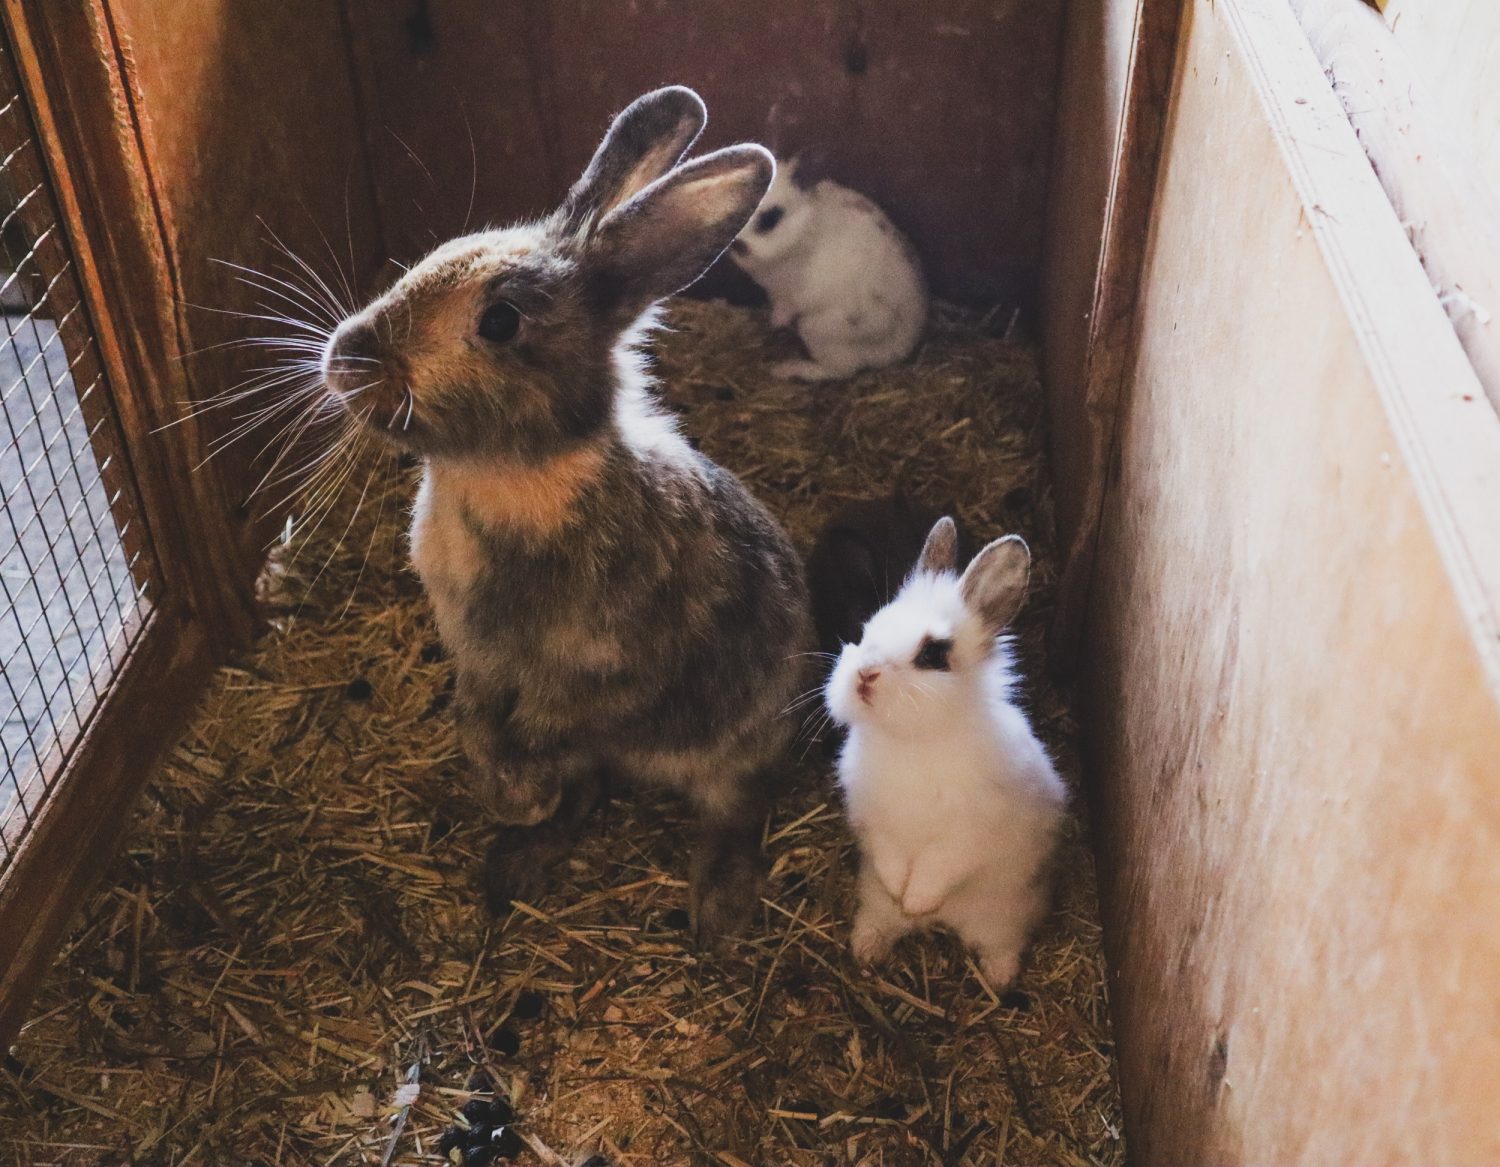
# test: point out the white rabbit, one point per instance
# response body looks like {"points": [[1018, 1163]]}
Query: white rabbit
{"points": [[839, 271], [955, 804]]}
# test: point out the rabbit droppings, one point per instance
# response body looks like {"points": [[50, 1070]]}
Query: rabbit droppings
{"points": [[955, 805], [839, 271], [613, 601]]}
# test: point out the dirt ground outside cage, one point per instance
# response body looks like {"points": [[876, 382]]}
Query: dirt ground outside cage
{"points": [[294, 933]]}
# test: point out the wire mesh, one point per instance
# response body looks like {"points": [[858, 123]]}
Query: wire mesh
{"points": [[77, 574]]}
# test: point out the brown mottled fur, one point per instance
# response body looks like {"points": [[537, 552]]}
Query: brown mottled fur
{"points": [[614, 602]]}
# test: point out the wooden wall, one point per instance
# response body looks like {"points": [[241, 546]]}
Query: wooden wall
{"points": [[1293, 682], [1117, 64], [942, 112], [251, 126], [1097, 41]]}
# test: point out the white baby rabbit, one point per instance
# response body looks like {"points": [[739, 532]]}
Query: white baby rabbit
{"points": [[836, 268], [954, 802]]}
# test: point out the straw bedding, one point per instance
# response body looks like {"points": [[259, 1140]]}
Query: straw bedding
{"points": [[292, 963]]}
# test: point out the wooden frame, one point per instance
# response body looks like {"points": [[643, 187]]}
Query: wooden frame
{"points": [[1431, 176], [1088, 409], [1293, 692], [77, 82]]}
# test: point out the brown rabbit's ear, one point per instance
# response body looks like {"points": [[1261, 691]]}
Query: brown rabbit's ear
{"points": [[994, 585], [645, 141], [940, 552], [666, 236]]}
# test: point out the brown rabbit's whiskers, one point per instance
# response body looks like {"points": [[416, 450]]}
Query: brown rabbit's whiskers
{"points": [[319, 444]]}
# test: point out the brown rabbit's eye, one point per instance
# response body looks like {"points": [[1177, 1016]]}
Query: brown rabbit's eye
{"points": [[933, 654], [500, 322], [768, 219]]}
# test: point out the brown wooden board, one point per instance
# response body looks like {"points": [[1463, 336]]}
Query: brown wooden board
{"points": [[1118, 63], [940, 112], [69, 61], [1294, 682], [251, 133], [1427, 163]]}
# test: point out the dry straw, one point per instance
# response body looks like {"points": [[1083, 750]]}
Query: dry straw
{"points": [[291, 964]]}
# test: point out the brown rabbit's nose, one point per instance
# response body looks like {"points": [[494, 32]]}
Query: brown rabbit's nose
{"points": [[352, 358], [867, 678]]}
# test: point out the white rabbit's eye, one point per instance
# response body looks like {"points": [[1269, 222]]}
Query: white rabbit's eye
{"points": [[933, 654], [768, 219], [500, 322]]}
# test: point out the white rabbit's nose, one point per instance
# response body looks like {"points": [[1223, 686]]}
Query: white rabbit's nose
{"points": [[867, 678]]}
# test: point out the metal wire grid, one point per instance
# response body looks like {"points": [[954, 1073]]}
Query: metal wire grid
{"points": [[77, 574]]}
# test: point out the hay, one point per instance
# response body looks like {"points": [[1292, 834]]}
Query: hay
{"points": [[291, 963]]}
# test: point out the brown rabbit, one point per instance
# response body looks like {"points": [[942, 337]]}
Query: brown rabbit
{"points": [[614, 602]]}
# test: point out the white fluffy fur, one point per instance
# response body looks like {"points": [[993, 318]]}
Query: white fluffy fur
{"points": [[840, 272], [955, 804]]}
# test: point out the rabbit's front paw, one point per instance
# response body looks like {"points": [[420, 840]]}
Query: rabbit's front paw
{"points": [[1000, 968]]}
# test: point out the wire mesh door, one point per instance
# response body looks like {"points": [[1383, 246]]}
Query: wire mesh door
{"points": [[78, 575]]}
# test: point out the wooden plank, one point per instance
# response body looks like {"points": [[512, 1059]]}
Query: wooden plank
{"points": [[869, 85], [249, 128], [69, 62], [81, 825], [1452, 46], [1430, 172], [1118, 68], [1293, 699], [67, 58]]}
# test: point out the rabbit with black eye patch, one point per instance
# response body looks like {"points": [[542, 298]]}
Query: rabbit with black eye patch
{"points": [[954, 802], [837, 270], [613, 601]]}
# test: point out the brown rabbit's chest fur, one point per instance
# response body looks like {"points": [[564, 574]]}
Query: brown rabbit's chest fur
{"points": [[628, 599], [455, 502]]}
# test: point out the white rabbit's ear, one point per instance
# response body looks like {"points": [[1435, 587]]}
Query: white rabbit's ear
{"points": [[665, 237], [994, 585], [645, 141], [940, 552]]}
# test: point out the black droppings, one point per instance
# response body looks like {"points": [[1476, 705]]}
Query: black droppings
{"points": [[479, 1081], [528, 1006], [506, 1143], [359, 689], [451, 1140], [480, 1154], [678, 919], [503, 1040], [1015, 999], [486, 1113]]}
